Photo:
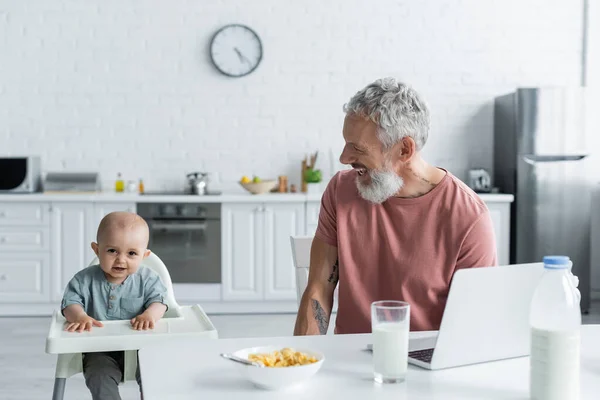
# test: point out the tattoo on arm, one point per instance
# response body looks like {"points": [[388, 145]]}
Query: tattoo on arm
{"points": [[320, 317], [335, 274]]}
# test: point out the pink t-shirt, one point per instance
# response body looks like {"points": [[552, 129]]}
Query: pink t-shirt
{"points": [[403, 249]]}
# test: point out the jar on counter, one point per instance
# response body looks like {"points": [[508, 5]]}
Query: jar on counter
{"points": [[283, 184]]}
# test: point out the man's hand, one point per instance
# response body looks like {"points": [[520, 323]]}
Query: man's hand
{"points": [[147, 319], [83, 323]]}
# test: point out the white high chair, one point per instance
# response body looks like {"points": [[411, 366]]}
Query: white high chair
{"points": [[178, 321]]}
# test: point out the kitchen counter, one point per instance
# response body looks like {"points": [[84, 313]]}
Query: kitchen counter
{"points": [[233, 197]]}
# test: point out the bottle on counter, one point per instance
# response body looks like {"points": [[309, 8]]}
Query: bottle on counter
{"points": [[555, 319], [141, 186], [119, 184], [131, 187]]}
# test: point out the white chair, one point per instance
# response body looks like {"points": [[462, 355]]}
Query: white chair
{"points": [[179, 321], [301, 256]]}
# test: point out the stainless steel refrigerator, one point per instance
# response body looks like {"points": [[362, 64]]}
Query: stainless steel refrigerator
{"points": [[544, 155]]}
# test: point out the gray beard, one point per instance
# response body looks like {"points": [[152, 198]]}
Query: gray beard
{"points": [[384, 184]]}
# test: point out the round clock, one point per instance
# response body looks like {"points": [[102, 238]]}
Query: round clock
{"points": [[236, 50]]}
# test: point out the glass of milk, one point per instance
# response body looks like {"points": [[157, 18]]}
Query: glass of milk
{"points": [[390, 323]]}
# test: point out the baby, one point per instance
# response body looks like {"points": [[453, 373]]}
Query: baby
{"points": [[116, 289]]}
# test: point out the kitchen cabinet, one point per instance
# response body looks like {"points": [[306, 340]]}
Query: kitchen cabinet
{"points": [[70, 244], [20, 214], [25, 270], [242, 233], [256, 253], [500, 214], [282, 220], [24, 277]]}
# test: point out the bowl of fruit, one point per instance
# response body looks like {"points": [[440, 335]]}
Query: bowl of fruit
{"points": [[257, 185]]}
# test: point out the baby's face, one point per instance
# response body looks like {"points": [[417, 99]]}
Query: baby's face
{"points": [[121, 252]]}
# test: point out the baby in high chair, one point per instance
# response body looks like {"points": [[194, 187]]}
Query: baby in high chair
{"points": [[116, 289]]}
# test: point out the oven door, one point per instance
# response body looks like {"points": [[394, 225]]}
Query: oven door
{"points": [[191, 250]]}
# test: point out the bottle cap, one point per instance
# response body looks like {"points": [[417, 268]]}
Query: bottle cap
{"points": [[557, 262]]}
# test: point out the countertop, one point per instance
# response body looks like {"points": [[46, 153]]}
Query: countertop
{"points": [[196, 371], [111, 197]]}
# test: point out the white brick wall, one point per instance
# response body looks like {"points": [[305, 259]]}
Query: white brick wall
{"points": [[127, 85]]}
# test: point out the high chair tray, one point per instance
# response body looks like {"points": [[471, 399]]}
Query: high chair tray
{"points": [[118, 335]]}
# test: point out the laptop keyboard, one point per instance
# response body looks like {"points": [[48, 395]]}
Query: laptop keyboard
{"points": [[422, 355]]}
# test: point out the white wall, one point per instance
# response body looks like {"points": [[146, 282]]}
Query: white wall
{"points": [[126, 85], [593, 44]]}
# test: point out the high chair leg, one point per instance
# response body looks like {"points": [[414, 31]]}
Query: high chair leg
{"points": [[59, 388]]}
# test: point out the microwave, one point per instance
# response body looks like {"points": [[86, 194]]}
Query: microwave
{"points": [[20, 174]]}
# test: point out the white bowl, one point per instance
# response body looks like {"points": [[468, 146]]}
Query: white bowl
{"points": [[260, 187], [278, 378]]}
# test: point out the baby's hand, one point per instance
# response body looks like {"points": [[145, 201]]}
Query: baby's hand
{"points": [[83, 323], [143, 321]]}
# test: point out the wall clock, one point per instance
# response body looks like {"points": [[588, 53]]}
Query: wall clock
{"points": [[236, 50]]}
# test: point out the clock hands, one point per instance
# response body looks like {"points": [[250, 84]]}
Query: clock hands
{"points": [[241, 56]]}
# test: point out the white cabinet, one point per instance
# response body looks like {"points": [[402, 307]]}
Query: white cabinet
{"points": [[256, 253], [19, 214], [500, 214], [242, 232], [24, 277], [282, 220], [25, 271], [69, 242], [24, 238]]}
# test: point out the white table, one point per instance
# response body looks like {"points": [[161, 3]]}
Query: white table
{"points": [[194, 370]]}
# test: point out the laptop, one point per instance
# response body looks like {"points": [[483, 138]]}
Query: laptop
{"points": [[486, 318]]}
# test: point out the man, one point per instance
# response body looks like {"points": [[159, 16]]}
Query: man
{"points": [[393, 227]]}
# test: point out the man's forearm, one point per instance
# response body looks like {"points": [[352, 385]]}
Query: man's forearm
{"points": [[317, 300], [313, 315]]}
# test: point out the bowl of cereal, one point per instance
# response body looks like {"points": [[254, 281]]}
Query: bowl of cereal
{"points": [[283, 367]]}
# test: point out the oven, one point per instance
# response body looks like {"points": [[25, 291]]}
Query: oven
{"points": [[187, 238]]}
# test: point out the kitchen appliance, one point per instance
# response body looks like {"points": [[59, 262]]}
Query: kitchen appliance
{"points": [[480, 180], [198, 183], [20, 174], [80, 182], [543, 144], [187, 237]]}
